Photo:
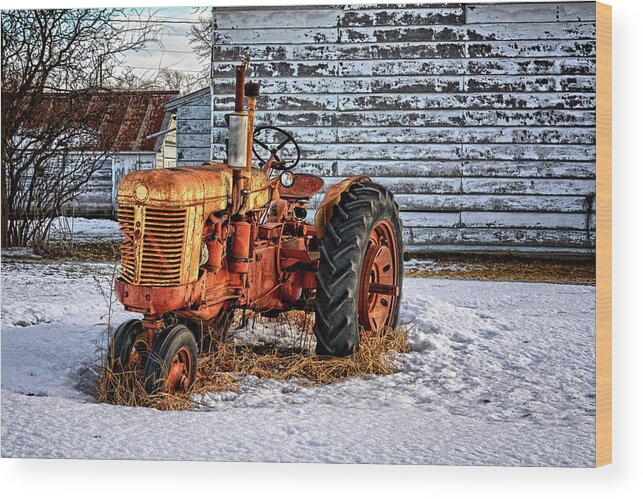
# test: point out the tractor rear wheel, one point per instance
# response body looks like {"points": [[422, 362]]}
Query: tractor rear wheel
{"points": [[359, 281], [171, 365], [129, 347]]}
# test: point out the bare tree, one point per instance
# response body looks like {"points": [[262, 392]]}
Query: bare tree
{"points": [[175, 79], [52, 60], [200, 39]]}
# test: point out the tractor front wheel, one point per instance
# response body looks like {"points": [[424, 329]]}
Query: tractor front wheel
{"points": [[359, 281], [129, 347], [171, 365]]}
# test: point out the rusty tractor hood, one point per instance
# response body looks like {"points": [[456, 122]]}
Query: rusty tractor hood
{"points": [[209, 184]]}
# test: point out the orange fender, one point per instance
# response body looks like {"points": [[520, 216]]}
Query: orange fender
{"points": [[332, 197]]}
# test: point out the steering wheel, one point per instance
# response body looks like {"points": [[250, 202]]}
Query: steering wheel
{"points": [[274, 151]]}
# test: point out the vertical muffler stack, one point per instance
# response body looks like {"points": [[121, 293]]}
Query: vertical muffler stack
{"points": [[238, 123], [239, 256]]}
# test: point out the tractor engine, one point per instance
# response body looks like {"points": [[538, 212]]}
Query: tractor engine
{"points": [[184, 252]]}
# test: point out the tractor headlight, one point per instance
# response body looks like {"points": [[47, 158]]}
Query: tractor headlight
{"points": [[141, 193], [287, 179]]}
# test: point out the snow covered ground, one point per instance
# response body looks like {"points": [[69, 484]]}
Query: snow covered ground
{"points": [[84, 229], [500, 374]]}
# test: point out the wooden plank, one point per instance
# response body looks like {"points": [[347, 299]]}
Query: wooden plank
{"points": [[308, 135], [374, 151], [419, 15], [579, 221], [530, 251], [306, 118], [542, 66], [276, 36], [403, 67], [604, 238], [320, 118], [333, 85], [504, 237], [491, 202], [184, 141], [416, 135], [573, 187], [278, 69], [426, 135], [397, 34], [195, 155], [398, 168], [472, 101], [541, 169], [193, 113], [530, 118], [532, 31], [271, 52], [193, 126], [577, 11], [451, 168], [529, 12], [413, 185], [283, 102], [559, 48], [513, 83], [517, 66], [529, 151], [429, 219], [276, 18]]}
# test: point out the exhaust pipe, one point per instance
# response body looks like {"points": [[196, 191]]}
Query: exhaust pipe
{"points": [[238, 122]]}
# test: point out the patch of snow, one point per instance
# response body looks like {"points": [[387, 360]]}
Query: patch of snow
{"points": [[20, 253], [274, 333], [500, 373], [84, 229], [431, 264]]}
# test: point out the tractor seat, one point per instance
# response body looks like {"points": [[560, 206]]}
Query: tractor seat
{"points": [[305, 186]]}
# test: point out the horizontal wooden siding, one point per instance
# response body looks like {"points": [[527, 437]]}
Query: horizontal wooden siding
{"points": [[193, 133], [479, 117]]}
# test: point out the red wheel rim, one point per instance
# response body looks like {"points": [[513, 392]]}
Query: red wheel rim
{"points": [[378, 289], [180, 372]]}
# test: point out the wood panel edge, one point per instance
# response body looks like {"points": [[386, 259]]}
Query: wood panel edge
{"points": [[603, 234]]}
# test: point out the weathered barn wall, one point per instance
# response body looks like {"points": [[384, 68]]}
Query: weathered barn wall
{"points": [[479, 117], [193, 127], [98, 197]]}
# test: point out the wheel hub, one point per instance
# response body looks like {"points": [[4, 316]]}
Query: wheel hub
{"points": [[179, 372], [378, 289]]}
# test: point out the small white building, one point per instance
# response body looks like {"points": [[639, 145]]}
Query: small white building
{"points": [[193, 123], [139, 134]]}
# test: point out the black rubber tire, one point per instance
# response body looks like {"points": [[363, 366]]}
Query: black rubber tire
{"points": [[122, 344], [169, 341], [359, 210]]}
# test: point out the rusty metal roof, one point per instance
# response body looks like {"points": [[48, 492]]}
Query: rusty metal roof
{"points": [[123, 119]]}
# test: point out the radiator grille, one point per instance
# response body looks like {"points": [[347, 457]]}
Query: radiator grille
{"points": [[157, 259]]}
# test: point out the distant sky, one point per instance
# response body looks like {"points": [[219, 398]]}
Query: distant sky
{"points": [[176, 52]]}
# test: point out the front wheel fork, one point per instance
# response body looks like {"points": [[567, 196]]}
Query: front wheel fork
{"points": [[152, 325]]}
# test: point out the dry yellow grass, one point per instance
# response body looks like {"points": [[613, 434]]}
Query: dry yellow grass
{"points": [[504, 268], [223, 369]]}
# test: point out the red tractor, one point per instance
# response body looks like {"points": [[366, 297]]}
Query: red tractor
{"points": [[202, 241]]}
